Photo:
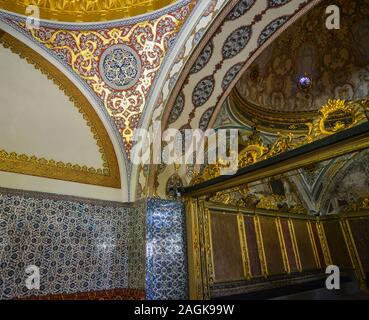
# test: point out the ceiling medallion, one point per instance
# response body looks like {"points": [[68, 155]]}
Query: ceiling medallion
{"points": [[305, 82], [120, 67]]}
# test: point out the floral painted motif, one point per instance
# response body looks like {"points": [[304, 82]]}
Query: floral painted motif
{"points": [[203, 91], [236, 41], [120, 67], [123, 91]]}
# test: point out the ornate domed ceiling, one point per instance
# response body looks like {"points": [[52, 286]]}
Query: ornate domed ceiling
{"points": [[86, 10], [114, 64], [307, 65]]}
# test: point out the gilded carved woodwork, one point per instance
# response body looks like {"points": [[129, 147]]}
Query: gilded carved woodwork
{"points": [[294, 244], [269, 202], [260, 245], [354, 255], [338, 115], [334, 117], [253, 151], [194, 255], [107, 176], [247, 198], [323, 240], [200, 211], [313, 244], [206, 267], [235, 197], [251, 114], [361, 204], [209, 247], [85, 10], [282, 244], [243, 246]]}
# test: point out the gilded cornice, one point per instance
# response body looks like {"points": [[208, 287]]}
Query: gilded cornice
{"points": [[268, 120], [335, 116], [107, 176], [86, 10]]}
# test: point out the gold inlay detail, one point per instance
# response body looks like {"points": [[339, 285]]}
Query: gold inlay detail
{"points": [[334, 117], [85, 10]]}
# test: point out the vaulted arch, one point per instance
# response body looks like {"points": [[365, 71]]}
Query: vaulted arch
{"points": [[235, 38], [50, 129]]}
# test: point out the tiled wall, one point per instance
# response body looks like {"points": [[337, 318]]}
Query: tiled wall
{"points": [[79, 245], [83, 245], [166, 262], [137, 245]]}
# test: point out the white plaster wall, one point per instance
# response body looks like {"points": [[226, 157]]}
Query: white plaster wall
{"points": [[26, 182], [37, 118]]}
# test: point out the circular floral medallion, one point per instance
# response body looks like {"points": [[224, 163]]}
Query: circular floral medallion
{"points": [[120, 67]]}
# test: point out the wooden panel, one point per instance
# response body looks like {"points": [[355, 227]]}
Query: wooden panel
{"points": [[360, 234], [336, 244], [272, 247], [289, 246], [318, 243], [252, 247], [228, 263], [304, 246]]}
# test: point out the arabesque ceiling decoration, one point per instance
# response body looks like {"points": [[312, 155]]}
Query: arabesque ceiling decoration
{"points": [[194, 30], [118, 61], [270, 93], [10, 161], [236, 37], [225, 50], [86, 10]]}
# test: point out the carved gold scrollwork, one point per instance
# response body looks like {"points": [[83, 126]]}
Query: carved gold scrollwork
{"points": [[233, 197], [243, 197], [335, 116], [254, 150], [210, 171], [86, 10], [269, 202], [324, 243], [361, 204]]}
